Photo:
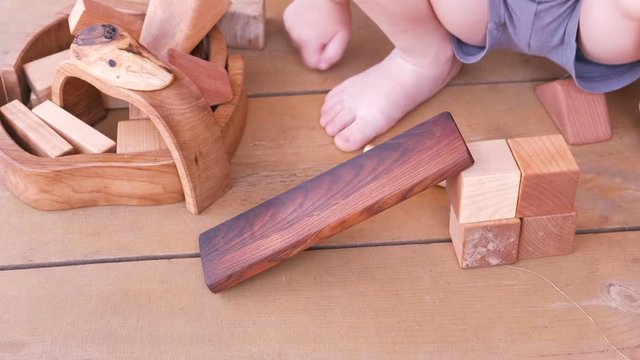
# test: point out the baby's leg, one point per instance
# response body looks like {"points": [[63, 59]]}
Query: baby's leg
{"points": [[610, 31], [368, 104], [320, 29]]}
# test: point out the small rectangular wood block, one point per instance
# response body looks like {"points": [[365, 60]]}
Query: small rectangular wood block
{"points": [[136, 136], [38, 138], [91, 12], [549, 175], [582, 117], [543, 236], [84, 138], [489, 189], [243, 24], [486, 243], [39, 74], [332, 202]]}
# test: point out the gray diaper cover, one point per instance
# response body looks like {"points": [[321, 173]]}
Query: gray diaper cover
{"points": [[546, 28]]}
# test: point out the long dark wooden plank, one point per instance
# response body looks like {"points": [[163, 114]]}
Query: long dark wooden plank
{"points": [[333, 201]]}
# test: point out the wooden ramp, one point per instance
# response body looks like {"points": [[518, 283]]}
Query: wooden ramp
{"points": [[126, 282]]}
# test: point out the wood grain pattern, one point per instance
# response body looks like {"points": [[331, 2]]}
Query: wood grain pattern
{"points": [[184, 120], [84, 138], [390, 302], [211, 78], [244, 24], [486, 243], [333, 201], [136, 136], [86, 13], [33, 133], [549, 175], [544, 236], [581, 117], [115, 57], [217, 47], [39, 74], [489, 189], [84, 101], [179, 24]]}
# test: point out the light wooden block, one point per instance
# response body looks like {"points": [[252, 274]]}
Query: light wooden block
{"points": [[136, 136], [543, 236], [91, 12], [582, 117], [210, 78], [136, 114], [489, 189], [112, 103], [84, 138], [33, 133], [486, 243], [180, 25], [244, 24], [39, 74], [549, 175]]}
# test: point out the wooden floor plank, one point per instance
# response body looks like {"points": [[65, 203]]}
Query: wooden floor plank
{"points": [[386, 302], [283, 146], [278, 68]]}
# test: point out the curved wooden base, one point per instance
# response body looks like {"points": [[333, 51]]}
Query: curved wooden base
{"points": [[112, 179]]}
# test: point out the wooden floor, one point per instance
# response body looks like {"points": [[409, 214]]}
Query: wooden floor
{"points": [[126, 283]]}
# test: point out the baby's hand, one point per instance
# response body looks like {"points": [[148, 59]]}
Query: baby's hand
{"points": [[320, 29]]}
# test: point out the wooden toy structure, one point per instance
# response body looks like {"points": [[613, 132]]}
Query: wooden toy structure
{"points": [[516, 202], [52, 158]]}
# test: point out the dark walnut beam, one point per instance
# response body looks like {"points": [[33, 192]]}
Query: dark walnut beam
{"points": [[332, 202]]}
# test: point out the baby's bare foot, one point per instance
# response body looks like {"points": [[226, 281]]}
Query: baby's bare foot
{"points": [[370, 103], [320, 29]]}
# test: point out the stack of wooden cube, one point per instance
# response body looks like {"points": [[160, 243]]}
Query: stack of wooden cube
{"points": [[516, 202]]}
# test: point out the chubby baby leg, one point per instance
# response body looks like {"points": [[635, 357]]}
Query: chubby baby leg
{"points": [[370, 103], [320, 29], [610, 31]]}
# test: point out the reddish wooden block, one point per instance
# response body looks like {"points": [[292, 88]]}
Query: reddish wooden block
{"points": [[211, 78], [486, 243], [543, 236], [581, 117], [549, 175]]}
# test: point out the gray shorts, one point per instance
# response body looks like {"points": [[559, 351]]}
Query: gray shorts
{"points": [[547, 28]]}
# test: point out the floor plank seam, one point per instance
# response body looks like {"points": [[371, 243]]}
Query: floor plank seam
{"points": [[29, 266], [324, 91]]}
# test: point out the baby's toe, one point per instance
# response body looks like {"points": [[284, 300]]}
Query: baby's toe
{"points": [[342, 119]]}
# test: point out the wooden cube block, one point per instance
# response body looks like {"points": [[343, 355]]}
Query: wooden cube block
{"points": [[543, 236], [84, 138], [486, 243], [32, 133], [489, 189], [111, 103], [39, 74], [243, 24], [138, 136], [549, 175], [581, 117]]}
